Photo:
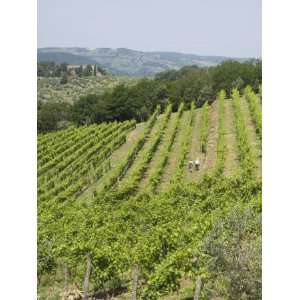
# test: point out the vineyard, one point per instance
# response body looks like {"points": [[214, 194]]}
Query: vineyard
{"points": [[121, 216]]}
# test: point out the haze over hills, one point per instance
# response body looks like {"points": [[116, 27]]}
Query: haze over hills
{"points": [[122, 61], [62, 57]]}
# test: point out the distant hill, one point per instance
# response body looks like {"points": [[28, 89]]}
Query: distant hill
{"points": [[129, 62], [64, 57]]}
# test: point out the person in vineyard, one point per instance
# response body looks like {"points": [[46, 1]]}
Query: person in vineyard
{"points": [[190, 166], [197, 164]]}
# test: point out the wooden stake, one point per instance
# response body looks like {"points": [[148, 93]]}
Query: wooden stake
{"points": [[87, 277], [66, 275], [197, 288], [135, 274]]}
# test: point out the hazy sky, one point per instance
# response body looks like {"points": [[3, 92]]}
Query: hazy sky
{"points": [[212, 27]]}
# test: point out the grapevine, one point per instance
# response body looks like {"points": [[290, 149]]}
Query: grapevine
{"points": [[204, 128]]}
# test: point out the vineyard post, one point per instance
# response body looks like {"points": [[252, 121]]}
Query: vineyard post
{"points": [[87, 277], [66, 275], [135, 274], [197, 288]]}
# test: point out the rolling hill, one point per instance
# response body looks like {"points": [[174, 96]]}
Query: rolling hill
{"points": [[122, 61], [62, 57]]}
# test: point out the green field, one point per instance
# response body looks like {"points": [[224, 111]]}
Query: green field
{"points": [[121, 193]]}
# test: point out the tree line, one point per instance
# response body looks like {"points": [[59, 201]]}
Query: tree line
{"points": [[190, 83]]}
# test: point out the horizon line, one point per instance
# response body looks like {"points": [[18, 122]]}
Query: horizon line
{"points": [[146, 51]]}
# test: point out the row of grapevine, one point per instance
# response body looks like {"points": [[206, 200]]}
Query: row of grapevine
{"points": [[255, 110], [50, 151], [81, 161], [60, 151], [54, 136], [87, 172], [221, 144], [204, 127], [244, 147], [130, 186], [120, 171], [185, 147], [164, 157], [53, 143], [86, 148]]}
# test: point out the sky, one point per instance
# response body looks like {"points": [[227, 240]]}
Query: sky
{"points": [[206, 27]]}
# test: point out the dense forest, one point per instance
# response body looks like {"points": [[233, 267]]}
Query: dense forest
{"points": [[190, 83]]}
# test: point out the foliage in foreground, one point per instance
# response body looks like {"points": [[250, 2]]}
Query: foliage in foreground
{"points": [[210, 229]]}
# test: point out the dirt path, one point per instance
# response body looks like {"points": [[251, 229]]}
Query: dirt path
{"points": [[174, 154], [195, 148], [232, 160], [209, 160], [253, 139]]}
